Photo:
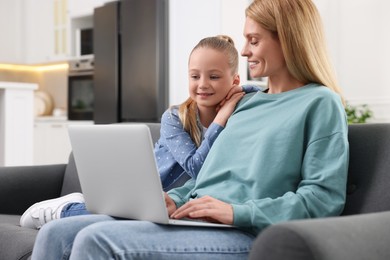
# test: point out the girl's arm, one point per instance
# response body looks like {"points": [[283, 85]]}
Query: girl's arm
{"points": [[180, 146]]}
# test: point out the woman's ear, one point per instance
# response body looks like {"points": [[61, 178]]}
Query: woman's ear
{"points": [[236, 79]]}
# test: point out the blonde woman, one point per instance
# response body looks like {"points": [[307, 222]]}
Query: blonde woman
{"points": [[283, 155]]}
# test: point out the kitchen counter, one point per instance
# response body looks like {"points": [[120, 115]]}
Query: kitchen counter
{"points": [[18, 85]]}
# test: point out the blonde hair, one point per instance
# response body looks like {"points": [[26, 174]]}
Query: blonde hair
{"points": [[188, 111], [298, 26]]}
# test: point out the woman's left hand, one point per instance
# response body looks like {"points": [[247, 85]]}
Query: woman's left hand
{"points": [[206, 208]]}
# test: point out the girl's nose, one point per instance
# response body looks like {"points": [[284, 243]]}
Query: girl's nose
{"points": [[203, 83]]}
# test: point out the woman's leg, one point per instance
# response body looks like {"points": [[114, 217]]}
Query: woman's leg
{"points": [[55, 239], [146, 240]]}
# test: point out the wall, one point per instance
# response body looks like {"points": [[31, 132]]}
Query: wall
{"points": [[358, 38]]}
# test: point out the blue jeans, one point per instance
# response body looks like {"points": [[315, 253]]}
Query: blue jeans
{"points": [[74, 209], [102, 237]]}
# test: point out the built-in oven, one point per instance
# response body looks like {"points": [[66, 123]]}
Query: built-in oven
{"points": [[80, 89]]}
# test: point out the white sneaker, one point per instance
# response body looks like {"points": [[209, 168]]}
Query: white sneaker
{"points": [[42, 212]]}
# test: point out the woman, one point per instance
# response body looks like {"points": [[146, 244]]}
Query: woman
{"points": [[187, 131], [283, 155]]}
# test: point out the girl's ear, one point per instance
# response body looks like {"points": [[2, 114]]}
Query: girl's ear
{"points": [[236, 79]]}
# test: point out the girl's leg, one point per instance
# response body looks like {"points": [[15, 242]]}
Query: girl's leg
{"points": [[146, 240], [42, 212], [74, 209], [55, 239]]}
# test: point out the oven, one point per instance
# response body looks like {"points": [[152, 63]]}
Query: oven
{"points": [[80, 89]]}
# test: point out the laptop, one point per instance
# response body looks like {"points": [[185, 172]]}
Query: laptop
{"points": [[118, 173]]}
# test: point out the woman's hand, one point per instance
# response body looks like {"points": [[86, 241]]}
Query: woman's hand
{"points": [[206, 208], [171, 205]]}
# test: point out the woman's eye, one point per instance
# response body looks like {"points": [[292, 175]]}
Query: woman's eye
{"points": [[254, 42]]}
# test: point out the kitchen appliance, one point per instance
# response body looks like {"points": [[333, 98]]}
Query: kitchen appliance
{"points": [[131, 61], [81, 89]]}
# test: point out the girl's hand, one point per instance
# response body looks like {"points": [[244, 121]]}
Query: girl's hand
{"points": [[171, 205], [235, 89], [206, 208], [226, 108]]}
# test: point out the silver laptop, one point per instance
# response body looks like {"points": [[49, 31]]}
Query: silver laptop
{"points": [[118, 173]]}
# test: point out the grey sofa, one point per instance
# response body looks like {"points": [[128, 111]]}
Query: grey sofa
{"points": [[363, 235]]}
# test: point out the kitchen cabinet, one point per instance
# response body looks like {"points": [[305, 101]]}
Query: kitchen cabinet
{"points": [[38, 28], [77, 8], [16, 123], [10, 31], [51, 140], [33, 31]]}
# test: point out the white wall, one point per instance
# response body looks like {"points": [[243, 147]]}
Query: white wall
{"points": [[358, 35]]}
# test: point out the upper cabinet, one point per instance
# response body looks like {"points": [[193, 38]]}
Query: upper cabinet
{"points": [[41, 31], [10, 31], [38, 31], [79, 8]]}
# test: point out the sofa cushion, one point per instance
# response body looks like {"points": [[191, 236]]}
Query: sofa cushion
{"points": [[16, 243], [368, 177]]}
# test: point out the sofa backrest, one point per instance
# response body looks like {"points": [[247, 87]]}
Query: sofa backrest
{"points": [[368, 188], [71, 180]]}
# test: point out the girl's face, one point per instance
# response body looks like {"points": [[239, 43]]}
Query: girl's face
{"points": [[263, 50], [210, 77]]}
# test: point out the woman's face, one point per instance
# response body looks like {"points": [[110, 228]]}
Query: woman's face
{"points": [[210, 77], [263, 50]]}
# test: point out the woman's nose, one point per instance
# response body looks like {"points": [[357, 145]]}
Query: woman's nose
{"points": [[244, 51]]}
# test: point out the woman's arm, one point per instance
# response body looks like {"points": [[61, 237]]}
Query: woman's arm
{"points": [[320, 193]]}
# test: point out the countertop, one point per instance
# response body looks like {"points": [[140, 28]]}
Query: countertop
{"points": [[18, 85]]}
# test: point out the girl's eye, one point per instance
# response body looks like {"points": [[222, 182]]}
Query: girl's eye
{"points": [[194, 77], [214, 77]]}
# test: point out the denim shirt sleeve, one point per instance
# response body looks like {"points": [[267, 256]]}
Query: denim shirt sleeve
{"points": [[181, 146], [251, 88]]}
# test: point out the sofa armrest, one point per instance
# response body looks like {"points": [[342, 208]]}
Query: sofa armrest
{"points": [[363, 236], [22, 186]]}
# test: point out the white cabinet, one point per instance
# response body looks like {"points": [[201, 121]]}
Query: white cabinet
{"points": [[38, 28], [77, 8], [33, 31], [16, 123], [51, 140], [11, 31]]}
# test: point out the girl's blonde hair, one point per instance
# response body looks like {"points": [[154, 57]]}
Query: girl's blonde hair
{"points": [[298, 26], [188, 111]]}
